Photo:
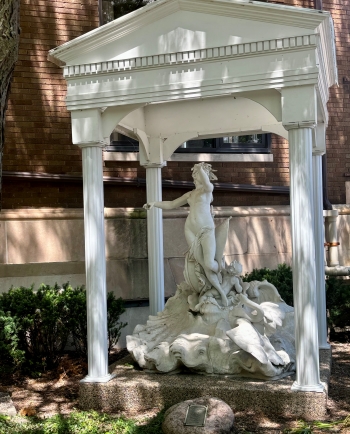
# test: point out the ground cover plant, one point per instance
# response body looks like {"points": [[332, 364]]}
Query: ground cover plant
{"points": [[37, 326], [81, 422]]}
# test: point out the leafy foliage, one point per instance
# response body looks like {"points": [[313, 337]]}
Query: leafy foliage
{"points": [[81, 422], [281, 278], [338, 302], [123, 7], [35, 326]]}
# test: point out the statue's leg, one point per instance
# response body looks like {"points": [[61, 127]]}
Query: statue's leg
{"points": [[221, 234], [210, 265]]}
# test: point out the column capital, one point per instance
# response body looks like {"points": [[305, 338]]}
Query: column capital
{"points": [[149, 165], [317, 152], [92, 144], [297, 125]]}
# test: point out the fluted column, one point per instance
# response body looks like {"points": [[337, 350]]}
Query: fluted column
{"points": [[155, 239], [304, 275], [95, 263], [319, 252]]}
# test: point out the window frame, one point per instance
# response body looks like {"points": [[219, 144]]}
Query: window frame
{"points": [[220, 148]]}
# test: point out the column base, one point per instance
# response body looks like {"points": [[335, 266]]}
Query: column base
{"points": [[319, 388], [326, 346], [103, 379]]}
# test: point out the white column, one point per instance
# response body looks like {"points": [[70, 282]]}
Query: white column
{"points": [[155, 239], [332, 237], [95, 262], [319, 252], [304, 276]]}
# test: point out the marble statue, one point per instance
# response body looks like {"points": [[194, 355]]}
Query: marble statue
{"points": [[215, 323]]}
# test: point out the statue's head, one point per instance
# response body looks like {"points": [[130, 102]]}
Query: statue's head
{"points": [[235, 268], [207, 170]]}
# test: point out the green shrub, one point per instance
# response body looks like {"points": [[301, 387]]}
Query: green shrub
{"points": [[78, 319], [338, 302], [35, 325], [9, 350], [281, 278]]}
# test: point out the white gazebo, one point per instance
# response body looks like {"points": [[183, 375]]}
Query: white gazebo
{"points": [[182, 69]]}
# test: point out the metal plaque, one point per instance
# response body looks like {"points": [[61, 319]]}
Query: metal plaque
{"points": [[196, 415]]}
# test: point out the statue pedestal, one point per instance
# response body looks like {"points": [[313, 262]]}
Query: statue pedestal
{"points": [[137, 391]]}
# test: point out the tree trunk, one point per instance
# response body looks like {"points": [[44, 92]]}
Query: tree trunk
{"points": [[9, 40]]}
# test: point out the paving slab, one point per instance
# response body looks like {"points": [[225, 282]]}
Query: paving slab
{"points": [[6, 405]]}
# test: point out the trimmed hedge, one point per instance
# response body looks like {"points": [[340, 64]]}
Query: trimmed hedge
{"points": [[36, 326]]}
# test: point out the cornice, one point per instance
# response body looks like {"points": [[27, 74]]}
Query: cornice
{"points": [[242, 9], [227, 52], [258, 11], [205, 89]]}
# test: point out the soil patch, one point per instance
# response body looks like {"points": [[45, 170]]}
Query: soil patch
{"points": [[57, 392]]}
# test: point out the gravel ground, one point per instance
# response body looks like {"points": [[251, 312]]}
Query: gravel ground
{"points": [[57, 392]]}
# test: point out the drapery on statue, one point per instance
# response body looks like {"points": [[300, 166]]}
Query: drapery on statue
{"points": [[215, 323]]}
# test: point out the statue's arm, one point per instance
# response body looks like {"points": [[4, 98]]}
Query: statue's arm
{"points": [[204, 179], [169, 204]]}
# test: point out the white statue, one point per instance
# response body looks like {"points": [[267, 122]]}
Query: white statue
{"points": [[205, 248], [215, 323]]}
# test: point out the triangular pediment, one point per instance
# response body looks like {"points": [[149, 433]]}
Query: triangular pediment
{"points": [[171, 26]]}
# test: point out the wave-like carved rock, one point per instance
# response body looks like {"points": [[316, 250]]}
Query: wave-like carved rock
{"points": [[251, 337]]}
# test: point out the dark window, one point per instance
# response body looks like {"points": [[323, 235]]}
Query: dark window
{"points": [[256, 143]]}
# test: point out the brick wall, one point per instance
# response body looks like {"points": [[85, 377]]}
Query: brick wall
{"points": [[38, 131], [38, 126], [338, 133]]}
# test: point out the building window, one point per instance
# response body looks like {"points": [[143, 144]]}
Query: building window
{"points": [[252, 144], [255, 143]]}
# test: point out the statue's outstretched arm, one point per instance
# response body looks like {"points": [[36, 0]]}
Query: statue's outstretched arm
{"points": [[169, 204]]}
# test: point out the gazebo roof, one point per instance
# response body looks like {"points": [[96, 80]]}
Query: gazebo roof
{"points": [[170, 26], [201, 50]]}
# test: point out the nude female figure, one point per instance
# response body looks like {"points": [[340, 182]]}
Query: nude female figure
{"points": [[199, 224]]}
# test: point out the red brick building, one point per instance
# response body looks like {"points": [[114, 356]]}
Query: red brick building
{"points": [[43, 169]]}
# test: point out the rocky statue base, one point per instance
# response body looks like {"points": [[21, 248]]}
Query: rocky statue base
{"points": [[253, 336]]}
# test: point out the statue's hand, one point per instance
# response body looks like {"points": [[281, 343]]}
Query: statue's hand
{"points": [[149, 205], [198, 165]]}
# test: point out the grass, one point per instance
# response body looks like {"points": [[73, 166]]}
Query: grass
{"points": [[80, 422], [310, 427], [92, 422]]}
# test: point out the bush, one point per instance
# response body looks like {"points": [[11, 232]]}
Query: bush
{"points": [[338, 303], [281, 278], [78, 323], [35, 325]]}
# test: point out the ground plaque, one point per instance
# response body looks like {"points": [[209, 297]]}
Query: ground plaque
{"points": [[196, 415]]}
